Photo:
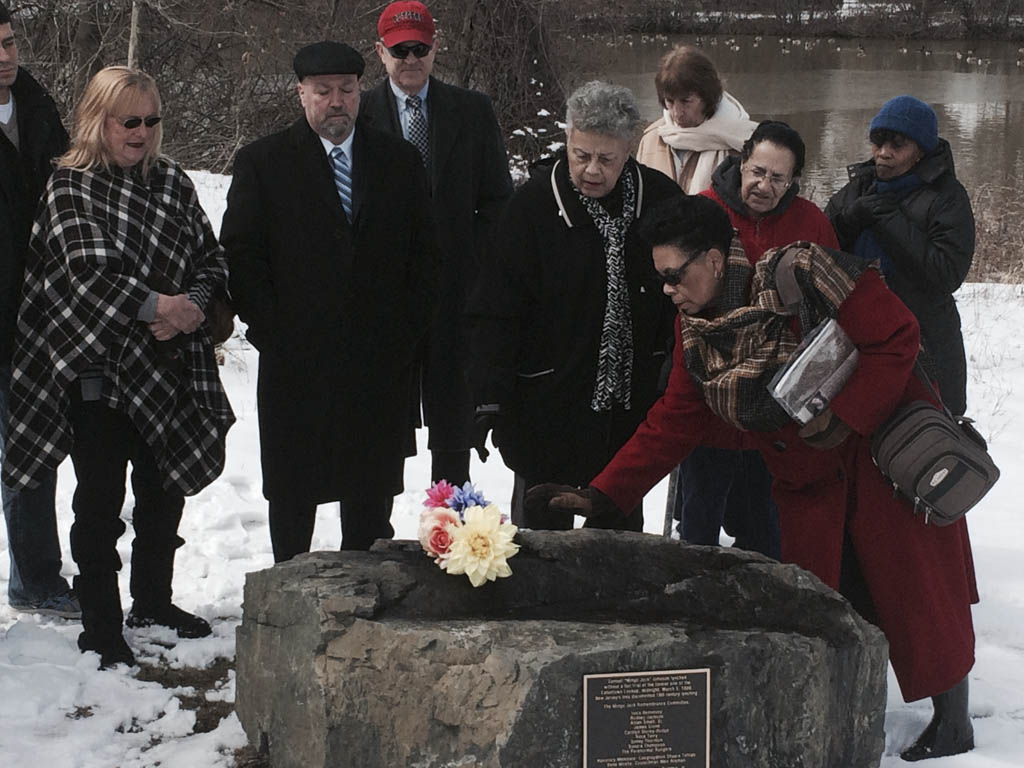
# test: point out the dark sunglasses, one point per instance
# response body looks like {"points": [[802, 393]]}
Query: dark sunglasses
{"points": [[674, 276], [134, 122], [400, 51]]}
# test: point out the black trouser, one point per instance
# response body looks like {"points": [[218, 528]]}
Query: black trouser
{"points": [[452, 466], [105, 441], [363, 521]]}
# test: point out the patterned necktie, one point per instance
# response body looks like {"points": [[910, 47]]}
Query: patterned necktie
{"points": [[417, 127], [342, 178]]}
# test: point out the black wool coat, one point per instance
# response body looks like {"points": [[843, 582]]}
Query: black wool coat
{"points": [[469, 186], [930, 239], [336, 309], [23, 175], [535, 329]]}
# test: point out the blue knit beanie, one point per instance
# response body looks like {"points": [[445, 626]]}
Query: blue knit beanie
{"points": [[911, 117]]}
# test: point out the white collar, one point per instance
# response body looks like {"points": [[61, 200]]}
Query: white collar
{"points": [[346, 145], [401, 96]]}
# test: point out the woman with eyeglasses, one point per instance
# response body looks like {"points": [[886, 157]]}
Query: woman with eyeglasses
{"points": [[840, 518], [114, 363], [760, 192], [906, 208], [701, 124], [714, 487], [569, 325]]}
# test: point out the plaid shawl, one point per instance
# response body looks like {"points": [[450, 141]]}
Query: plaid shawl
{"points": [[733, 355], [102, 242]]}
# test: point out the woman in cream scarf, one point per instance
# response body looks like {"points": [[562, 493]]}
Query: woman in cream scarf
{"points": [[701, 124]]}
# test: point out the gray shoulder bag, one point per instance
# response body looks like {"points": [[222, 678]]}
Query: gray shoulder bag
{"points": [[936, 460]]}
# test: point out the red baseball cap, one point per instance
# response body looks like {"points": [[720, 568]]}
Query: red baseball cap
{"points": [[406, 21]]}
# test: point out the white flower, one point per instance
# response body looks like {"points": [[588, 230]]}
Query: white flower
{"points": [[481, 546]]}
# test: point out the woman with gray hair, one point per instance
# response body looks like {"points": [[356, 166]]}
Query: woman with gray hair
{"points": [[568, 324]]}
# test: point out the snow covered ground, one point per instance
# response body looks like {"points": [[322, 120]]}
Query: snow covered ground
{"points": [[57, 709]]}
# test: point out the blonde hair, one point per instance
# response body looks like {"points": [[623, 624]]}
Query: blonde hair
{"points": [[113, 91]]}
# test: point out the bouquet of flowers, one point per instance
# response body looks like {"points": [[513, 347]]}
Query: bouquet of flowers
{"points": [[465, 533]]}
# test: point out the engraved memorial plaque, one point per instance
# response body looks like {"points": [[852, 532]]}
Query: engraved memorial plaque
{"points": [[647, 719]]}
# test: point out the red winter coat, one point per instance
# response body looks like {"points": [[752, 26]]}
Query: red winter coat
{"points": [[920, 577], [794, 218]]}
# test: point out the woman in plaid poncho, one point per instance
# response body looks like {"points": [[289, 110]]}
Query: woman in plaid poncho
{"points": [[114, 362]]}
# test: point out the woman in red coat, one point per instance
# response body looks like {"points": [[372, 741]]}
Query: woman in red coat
{"points": [[838, 516]]}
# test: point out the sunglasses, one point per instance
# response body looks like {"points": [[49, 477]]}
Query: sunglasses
{"points": [[134, 122], [400, 51], [674, 276]]}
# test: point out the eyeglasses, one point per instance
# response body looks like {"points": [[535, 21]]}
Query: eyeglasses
{"points": [[675, 275], [400, 51], [776, 181], [134, 122]]}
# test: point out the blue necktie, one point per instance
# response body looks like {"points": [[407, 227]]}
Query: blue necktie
{"points": [[418, 127], [342, 179]]}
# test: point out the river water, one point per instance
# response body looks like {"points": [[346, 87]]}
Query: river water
{"points": [[830, 89]]}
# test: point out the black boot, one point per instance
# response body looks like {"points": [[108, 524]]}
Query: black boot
{"points": [[187, 625], [102, 619], [152, 571], [950, 732]]}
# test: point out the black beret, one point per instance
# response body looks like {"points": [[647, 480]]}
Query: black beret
{"points": [[328, 58]]}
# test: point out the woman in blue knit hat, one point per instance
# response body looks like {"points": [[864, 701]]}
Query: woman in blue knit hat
{"points": [[906, 209]]}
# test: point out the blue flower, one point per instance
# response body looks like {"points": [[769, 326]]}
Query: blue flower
{"points": [[467, 496]]}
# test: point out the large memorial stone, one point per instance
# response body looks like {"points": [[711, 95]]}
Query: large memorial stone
{"points": [[381, 660]]}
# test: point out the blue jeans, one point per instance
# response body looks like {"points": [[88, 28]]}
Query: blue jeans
{"points": [[727, 488], [31, 518]]}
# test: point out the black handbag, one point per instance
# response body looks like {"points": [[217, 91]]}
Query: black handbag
{"points": [[936, 460]]}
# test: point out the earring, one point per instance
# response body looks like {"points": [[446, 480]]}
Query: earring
{"points": [[718, 275]]}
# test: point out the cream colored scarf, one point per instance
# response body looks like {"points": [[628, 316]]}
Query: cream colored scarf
{"points": [[713, 140]]}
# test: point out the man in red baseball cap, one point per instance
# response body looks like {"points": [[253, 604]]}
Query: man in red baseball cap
{"points": [[457, 135], [406, 45]]}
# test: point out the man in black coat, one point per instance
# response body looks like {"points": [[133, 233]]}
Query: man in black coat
{"points": [[464, 155], [331, 248], [31, 136]]}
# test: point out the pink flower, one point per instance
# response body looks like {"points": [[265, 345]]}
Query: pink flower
{"points": [[439, 493], [435, 532]]}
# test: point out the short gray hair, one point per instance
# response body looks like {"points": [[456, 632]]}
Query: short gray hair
{"points": [[599, 107]]}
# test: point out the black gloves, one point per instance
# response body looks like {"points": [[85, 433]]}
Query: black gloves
{"points": [[483, 423], [825, 431], [867, 209]]}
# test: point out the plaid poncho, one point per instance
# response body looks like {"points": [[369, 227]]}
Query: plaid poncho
{"points": [[102, 242], [733, 355]]}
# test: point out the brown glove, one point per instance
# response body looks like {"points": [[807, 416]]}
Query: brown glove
{"points": [[555, 499], [825, 431]]}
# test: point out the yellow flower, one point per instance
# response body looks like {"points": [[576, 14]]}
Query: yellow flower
{"points": [[481, 546]]}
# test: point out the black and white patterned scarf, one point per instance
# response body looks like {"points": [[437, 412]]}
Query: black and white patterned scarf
{"points": [[614, 381], [102, 242]]}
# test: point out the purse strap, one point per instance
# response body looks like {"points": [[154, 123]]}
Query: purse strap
{"points": [[923, 376], [785, 282]]}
